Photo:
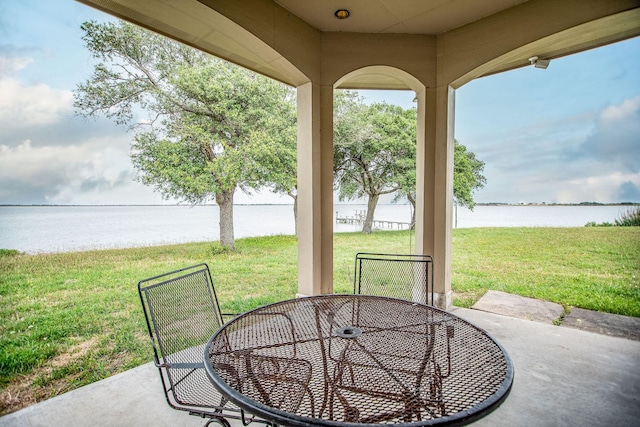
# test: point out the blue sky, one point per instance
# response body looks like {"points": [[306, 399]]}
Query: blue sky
{"points": [[567, 134]]}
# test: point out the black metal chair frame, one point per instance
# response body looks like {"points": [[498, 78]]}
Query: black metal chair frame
{"points": [[373, 274], [173, 373], [258, 369], [388, 261]]}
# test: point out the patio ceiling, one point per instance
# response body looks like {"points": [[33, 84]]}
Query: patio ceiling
{"points": [[248, 32], [393, 16]]}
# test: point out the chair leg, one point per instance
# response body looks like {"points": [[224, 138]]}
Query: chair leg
{"points": [[220, 421], [248, 420]]}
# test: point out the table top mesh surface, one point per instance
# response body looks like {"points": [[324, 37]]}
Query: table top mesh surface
{"points": [[358, 359]]}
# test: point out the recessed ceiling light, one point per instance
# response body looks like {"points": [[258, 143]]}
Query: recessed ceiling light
{"points": [[342, 14]]}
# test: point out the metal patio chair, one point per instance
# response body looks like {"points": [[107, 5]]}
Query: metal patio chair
{"points": [[404, 276], [269, 373], [182, 312], [408, 277]]}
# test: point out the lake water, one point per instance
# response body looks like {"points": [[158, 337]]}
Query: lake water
{"points": [[36, 229]]}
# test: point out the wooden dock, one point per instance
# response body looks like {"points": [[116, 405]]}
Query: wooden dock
{"points": [[359, 217]]}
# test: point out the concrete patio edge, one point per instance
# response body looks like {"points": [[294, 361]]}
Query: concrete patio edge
{"points": [[552, 313]]}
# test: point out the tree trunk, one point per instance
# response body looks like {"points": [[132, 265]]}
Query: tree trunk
{"points": [[224, 199], [295, 212], [371, 208], [412, 200]]}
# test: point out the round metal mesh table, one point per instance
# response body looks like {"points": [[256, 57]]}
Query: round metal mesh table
{"points": [[358, 360]]}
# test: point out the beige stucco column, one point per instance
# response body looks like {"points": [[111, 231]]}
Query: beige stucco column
{"points": [[315, 189], [434, 185]]}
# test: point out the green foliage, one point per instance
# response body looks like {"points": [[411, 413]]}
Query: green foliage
{"points": [[631, 218], [467, 178], [218, 249], [9, 252], [374, 148], [213, 127], [375, 154], [467, 175], [595, 224], [372, 145]]}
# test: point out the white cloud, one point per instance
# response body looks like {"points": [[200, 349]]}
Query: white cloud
{"points": [[9, 65], [615, 114], [96, 171], [535, 146], [39, 173], [592, 156], [603, 188], [23, 106], [615, 140], [47, 155]]}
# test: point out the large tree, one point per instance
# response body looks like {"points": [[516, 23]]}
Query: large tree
{"points": [[467, 175], [467, 178], [373, 144], [212, 127], [282, 162], [375, 154]]}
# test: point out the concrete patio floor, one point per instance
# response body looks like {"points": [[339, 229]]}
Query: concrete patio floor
{"points": [[563, 377]]}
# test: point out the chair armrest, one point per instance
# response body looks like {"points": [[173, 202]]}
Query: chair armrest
{"points": [[195, 365], [227, 316]]}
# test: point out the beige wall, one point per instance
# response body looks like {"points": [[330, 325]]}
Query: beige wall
{"points": [[343, 53]]}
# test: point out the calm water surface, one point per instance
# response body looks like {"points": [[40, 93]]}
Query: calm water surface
{"points": [[36, 229]]}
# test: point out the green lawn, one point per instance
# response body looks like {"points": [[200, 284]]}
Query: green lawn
{"points": [[69, 319]]}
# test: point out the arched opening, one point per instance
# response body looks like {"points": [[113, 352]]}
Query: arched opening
{"points": [[374, 92]]}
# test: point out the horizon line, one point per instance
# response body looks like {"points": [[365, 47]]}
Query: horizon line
{"points": [[291, 204]]}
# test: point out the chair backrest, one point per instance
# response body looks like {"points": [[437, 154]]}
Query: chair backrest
{"points": [[404, 276], [182, 313]]}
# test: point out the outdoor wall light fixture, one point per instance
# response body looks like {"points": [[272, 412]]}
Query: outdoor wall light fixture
{"points": [[342, 13], [539, 63]]}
